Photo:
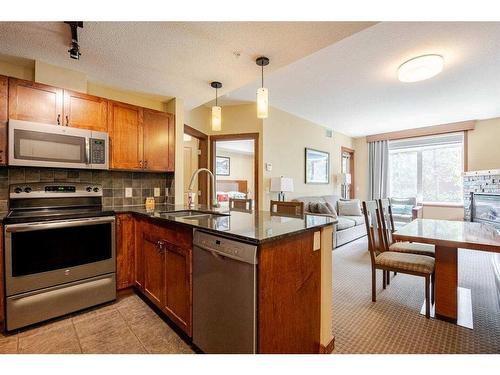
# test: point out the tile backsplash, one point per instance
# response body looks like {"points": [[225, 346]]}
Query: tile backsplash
{"points": [[113, 183]]}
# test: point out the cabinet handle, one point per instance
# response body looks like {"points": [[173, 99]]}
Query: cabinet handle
{"points": [[146, 164], [67, 120], [140, 164], [58, 119]]}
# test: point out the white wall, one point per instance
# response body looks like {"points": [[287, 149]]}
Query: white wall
{"points": [[241, 168]]}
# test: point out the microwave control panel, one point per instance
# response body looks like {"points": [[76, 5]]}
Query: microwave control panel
{"points": [[97, 151]]}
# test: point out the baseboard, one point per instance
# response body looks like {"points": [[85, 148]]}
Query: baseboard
{"points": [[328, 349]]}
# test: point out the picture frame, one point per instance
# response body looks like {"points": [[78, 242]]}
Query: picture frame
{"points": [[222, 166], [317, 166]]}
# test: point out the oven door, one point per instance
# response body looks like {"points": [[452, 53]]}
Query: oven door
{"points": [[41, 145], [43, 254]]}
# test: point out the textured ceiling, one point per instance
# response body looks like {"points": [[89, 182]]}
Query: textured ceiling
{"points": [[352, 86], [173, 58]]}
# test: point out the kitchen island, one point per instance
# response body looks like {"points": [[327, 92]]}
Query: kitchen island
{"points": [[294, 274]]}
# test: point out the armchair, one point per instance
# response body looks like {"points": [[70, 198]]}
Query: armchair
{"points": [[405, 210]]}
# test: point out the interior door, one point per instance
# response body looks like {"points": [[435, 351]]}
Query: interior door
{"points": [[4, 94], [156, 140], [32, 101], [125, 132], [85, 111]]}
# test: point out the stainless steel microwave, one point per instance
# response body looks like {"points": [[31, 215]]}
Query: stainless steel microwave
{"points": [[34, 144]]}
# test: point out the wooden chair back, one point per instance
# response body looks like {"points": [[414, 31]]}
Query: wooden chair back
{"points": [[387, 221], [373, 229], [291, 209], [240, 204]]}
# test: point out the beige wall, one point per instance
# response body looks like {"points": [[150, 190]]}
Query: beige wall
{"points": [[285, 138], [18, 68], [60, 77], [484, 145], [360, 168], [241, 168]]}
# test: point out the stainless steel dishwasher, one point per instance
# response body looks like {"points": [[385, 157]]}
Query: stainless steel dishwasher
{"points": [[224, 294]]}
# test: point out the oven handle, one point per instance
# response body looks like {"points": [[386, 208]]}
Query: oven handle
{"points": [[13, 228]]}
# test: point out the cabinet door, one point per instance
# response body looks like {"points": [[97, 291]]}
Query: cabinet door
{"points": [[125, 251], [171, 143], [1, 275], [31, 101], [156, 140], [153, 267], [178, 281], [4, 94], [85, 111], [125, 132]]}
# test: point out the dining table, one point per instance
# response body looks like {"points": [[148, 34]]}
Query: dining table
{"points": [[452, 303]]}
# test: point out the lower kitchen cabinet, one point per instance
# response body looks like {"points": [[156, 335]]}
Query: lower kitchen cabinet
{"points": [[1, 276], [125, 251], [163, 269]]}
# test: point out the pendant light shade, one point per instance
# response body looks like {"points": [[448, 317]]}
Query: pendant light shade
{"points": [[216, 110], [262, 92]]}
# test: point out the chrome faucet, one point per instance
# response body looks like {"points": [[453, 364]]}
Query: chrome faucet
{"points": [[215, 203]]}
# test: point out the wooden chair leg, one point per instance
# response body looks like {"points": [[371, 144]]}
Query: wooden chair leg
{"points": [[388, 277], [384, 279], [433, 290], [374, 285], [427, 298]]}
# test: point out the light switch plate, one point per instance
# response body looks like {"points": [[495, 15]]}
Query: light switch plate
{"points": [[128, 192], [157, 192], [317, 241], [269, 167]]}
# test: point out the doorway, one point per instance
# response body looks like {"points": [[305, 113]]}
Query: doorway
{"points": [[195, 156], [234, 162], [347, 167]]}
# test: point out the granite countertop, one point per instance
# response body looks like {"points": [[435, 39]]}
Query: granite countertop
{"points": [[254, 226]]}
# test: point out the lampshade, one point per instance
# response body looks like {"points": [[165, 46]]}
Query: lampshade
{"points": [[262, 102], [279, 184], [216, 118], [345, 178]]}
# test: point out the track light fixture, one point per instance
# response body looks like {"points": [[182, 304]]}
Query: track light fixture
{"points": [[216, 110], [74, 51]]}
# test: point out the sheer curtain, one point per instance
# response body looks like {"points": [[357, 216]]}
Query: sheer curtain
{"points": [[378, 169]]}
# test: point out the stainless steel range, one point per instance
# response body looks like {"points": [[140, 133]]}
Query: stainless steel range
{"points": [[59, 251]]}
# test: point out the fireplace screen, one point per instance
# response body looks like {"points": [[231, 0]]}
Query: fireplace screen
{"points": [[486, 207]]}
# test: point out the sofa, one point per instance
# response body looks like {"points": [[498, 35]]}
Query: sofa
{"points": [[349, 227], [405, 210]]}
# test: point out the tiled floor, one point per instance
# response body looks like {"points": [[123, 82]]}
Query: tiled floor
{"points": [[127, 326]]}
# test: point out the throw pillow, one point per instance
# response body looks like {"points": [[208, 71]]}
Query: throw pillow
{"points": [[350, 208], [402, 209]]}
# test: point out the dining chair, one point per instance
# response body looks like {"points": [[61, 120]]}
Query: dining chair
{"points": [[388, 229], [240, 204], [292, 209], [381, 259]]}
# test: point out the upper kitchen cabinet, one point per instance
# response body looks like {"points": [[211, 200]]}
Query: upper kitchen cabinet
{"points": [[85, 111], [32, 101], [4, 94], [125, 131], [159, 141]]}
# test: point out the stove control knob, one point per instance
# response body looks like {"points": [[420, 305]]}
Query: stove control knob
{"points": [[27, 189], [18, 190], [89, 189], [96, 189]]}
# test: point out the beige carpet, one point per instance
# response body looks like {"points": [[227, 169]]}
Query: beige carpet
{"points": [[393, 323]]}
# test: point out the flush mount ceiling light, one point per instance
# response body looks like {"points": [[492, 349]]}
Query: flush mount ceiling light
{"points": [[420, 68], [216, 110], [74, 51], [262, 92]]}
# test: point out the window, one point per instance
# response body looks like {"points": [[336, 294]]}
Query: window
{"points": [[429, 168]]}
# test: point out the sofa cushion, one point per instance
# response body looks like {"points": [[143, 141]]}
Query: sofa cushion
{"points": [[349, 208], [320, 208], [332, 200], [402, 218], [402, 209], [359, 220], [409, 201], [344, 223]]}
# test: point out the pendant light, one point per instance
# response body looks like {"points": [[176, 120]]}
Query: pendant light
{"points": [[262, 92], [216, 110]]}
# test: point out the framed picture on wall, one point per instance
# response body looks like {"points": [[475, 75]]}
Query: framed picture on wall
{"points": [[222, 166], [317, 166]]}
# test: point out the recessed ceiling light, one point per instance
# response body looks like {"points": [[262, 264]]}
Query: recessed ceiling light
{"points": [[420, 68]]}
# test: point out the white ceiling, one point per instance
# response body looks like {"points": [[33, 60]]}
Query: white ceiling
{"points": [[173, 58], [352, 86], [242, 146]]}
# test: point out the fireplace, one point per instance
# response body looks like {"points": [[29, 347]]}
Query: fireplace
{"points": [[485, 207]]}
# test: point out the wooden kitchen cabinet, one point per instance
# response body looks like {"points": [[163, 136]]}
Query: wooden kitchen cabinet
{"points": [[85, 111], [159, 136], [125, 131], [125, 251], [32, 101], [164, 270], [1, 276], [4, 118]]}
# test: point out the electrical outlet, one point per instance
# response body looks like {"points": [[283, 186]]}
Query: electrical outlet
{"points": [[128, 192], [157, 192]]}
